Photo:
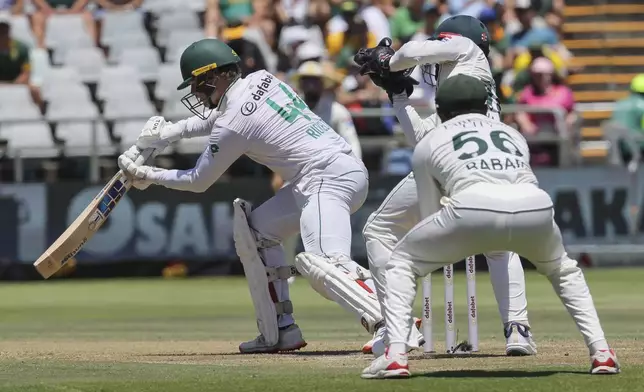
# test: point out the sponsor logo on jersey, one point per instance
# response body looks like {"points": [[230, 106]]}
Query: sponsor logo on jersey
{"points": [[249, 107], [262, 88]]}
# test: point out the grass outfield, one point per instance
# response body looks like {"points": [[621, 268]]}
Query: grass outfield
{"points": [[182, 335]]}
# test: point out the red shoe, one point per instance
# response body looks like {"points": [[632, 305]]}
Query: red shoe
{"points": [[386, 366], [604, 362]]}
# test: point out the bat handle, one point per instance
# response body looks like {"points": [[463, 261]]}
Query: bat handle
{"points": [[143, 157]]}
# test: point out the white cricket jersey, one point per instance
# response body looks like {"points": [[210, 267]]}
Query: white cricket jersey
{"points": [[453, 56], [471, 149], [263, 118]]}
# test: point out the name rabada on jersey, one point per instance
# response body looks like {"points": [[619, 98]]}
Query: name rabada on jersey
{"points": [[496, 164]]}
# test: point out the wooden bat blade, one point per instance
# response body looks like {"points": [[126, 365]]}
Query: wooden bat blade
{"points": [[83, 228]]}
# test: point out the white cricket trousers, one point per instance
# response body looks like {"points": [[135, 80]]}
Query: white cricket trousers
{"points": [[486, 218], [400, 211], [319, 207]]}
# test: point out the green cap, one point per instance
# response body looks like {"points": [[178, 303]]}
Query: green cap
{"points": [[203, 56], [637, 84], [461, 92]]}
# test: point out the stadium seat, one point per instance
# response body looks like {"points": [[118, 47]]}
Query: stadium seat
{"points": [[77, 137], [168, 79], [178, 41], [40, 65], [159, 6], [83, 41], [169, 21], [114, 76], [127, 40], [120, 23], [14, 94], [145, 60], [71, 108], [128, 107], [87, 62], [63, 32], [73, 91], [16, 104], [57, 80], [128, 131], [119, 90], [29, 139], [174, 109], [21, 30], [26, 112]]}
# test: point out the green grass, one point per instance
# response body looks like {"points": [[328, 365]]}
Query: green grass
{"points": [[181, 335]]}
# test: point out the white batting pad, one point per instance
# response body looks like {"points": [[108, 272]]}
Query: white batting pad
{"points": [[255, 271], [340, 286]]}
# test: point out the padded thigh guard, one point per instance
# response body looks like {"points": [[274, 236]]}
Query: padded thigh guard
{"points": [[333, 280], [259, 277]]}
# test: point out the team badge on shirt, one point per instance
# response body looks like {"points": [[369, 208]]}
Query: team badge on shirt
{"points": [[214, 148]]}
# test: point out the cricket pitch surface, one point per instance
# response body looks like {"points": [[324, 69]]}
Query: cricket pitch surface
{"points": [[182, 335]]}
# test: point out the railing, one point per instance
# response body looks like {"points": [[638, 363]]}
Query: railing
{"points": [[564, 137]]}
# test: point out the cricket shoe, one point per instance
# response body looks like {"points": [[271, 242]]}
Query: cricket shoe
{"points": [[518, 340], [290, 339], [604, 362], [386, 366], [379, 345]]}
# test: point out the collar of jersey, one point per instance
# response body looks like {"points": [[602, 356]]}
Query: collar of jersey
{"points": [[234, 87]]}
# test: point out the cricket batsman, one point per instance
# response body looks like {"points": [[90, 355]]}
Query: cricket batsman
{"points": [[460, 46], [491, 201], [263, 118]]}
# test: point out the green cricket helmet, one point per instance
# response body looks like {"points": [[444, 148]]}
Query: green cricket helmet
{"points": [[200, 65], [466, 26], [459, 25]]}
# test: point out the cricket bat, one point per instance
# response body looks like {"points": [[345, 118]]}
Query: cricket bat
{"points": [[88, 222]]}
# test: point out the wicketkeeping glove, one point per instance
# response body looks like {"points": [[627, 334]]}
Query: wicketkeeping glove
{"points": [[375, 60], [395, 83]]}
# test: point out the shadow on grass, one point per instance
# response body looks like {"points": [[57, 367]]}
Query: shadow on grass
{"points": [[496, 373], [323, 353], [451, 356], [317, 353]]}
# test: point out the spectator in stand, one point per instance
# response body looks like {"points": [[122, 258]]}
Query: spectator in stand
{"points": [[552, 11], [533, 30], [629, 114], [469, 7], [15, 66], [316, 86], [46, 8], [15, 7], [548, 92], [250, 55], [406, 22], [342, 24], [517, 77], [498, 43]]}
